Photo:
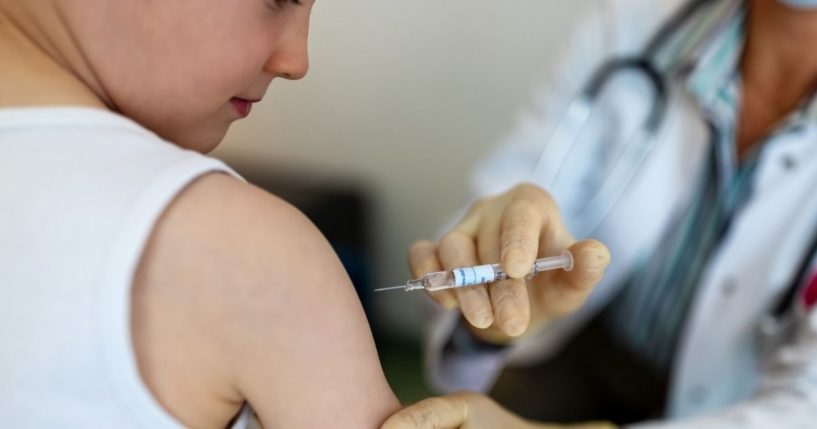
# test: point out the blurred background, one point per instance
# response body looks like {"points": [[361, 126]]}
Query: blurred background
{"points": [[376, 145]]}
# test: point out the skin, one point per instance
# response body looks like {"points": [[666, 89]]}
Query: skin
{"points": [[778, 70], [224, 313], [468, 411], [227, 305], [171, 66]]}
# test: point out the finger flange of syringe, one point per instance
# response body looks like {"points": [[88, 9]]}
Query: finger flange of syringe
{"points": [[480, 274]]}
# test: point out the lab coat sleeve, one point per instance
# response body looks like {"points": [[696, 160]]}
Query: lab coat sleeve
{"points": [[786, 398], [509, 165]]}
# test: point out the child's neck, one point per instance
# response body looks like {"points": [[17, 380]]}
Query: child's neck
{"points": [[33, 72]]}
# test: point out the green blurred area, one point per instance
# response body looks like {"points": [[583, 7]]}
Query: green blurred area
{"points": [[402, 361]]}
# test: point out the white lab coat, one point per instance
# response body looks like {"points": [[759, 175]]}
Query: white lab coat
{"points": [[719, 380]]}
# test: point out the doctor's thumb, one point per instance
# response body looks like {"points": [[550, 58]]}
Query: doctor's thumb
{"points": [[590, 260]]}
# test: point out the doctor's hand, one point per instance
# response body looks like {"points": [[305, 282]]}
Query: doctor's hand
{"points": [[468, 411], [514, 229]]}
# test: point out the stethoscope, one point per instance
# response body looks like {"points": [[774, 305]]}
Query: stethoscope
{"points": [[778, 325], [638, 146], [779, 320]]}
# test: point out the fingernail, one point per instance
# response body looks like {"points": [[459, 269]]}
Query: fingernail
{"points": [[595, 260], [515, 326], [482, 319], [450, 304]]}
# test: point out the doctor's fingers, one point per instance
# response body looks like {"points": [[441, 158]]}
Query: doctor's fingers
{"points": [[423, 259], [560, 292], [448, 412], [458, 411], [530, 226], [458, 249], [509, 298]]}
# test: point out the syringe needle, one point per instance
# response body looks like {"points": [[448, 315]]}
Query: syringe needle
{"points": [[390, 288]]}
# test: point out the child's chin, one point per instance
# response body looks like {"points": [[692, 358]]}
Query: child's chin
{"points": [[202, 141]]}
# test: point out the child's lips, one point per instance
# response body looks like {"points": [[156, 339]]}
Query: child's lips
{"points": [[242, 106]]}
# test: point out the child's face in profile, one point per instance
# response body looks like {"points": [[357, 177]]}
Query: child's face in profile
{"points": [[183, 68]]}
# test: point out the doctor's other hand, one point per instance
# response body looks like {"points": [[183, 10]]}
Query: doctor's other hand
{"points": [[468, 411], [514, 229]]}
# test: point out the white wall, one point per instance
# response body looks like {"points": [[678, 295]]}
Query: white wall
{"points": [[404, 96]]}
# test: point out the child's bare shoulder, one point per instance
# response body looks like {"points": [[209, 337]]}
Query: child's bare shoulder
{"points": [[221, 228], [233, 280]]}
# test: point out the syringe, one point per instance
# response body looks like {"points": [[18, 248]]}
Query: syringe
{"points": [[479, 275]]}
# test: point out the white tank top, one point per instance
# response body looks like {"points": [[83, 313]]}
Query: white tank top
{"points": [[80, 191]]}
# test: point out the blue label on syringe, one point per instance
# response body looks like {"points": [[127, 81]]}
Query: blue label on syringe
{"points": [[469, 276]]}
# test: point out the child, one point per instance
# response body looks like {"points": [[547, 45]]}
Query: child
{"points": [[144, 284]]}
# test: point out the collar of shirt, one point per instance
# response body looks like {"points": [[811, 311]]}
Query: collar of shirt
{"points": [[715, 79], [714, 82]]}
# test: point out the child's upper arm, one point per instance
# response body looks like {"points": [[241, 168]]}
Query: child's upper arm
{"points": [[239, 297]]}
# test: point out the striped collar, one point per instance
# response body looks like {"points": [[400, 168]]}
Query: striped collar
{"points": [[715, 79], [714, 76]]}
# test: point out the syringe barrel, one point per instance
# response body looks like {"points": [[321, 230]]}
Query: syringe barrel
{"points": [[484, 274], [462, 277], [439, 280], [563, 261]]}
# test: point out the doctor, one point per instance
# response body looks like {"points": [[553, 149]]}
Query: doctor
{"points": [[703, 317]]}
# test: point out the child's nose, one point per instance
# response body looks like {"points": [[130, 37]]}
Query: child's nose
{"points": [[290, 61]]}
